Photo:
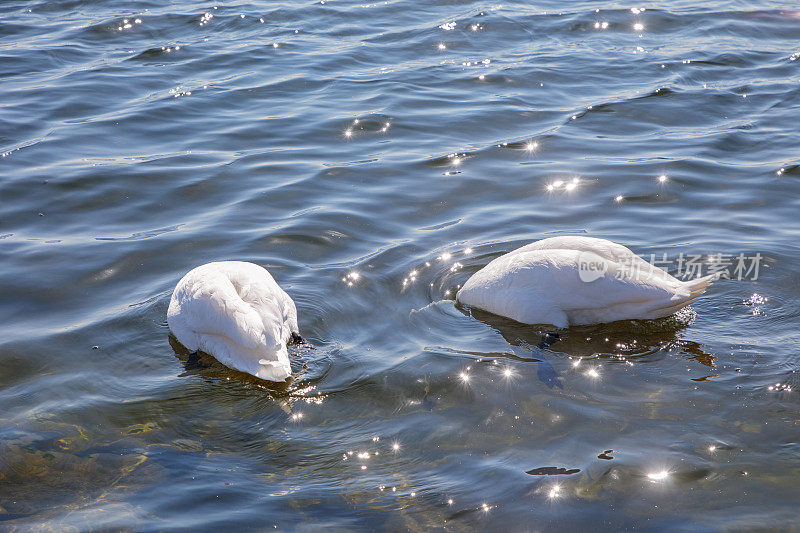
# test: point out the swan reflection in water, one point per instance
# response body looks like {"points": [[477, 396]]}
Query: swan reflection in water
{"points": [[625, 340]]}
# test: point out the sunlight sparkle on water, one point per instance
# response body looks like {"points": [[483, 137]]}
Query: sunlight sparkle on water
{"points": [[554, 492], [662, 178], [638, 26], [508, 374], [351, 278], [780, 387], [567, 186], [756, 301], [658, 476]]}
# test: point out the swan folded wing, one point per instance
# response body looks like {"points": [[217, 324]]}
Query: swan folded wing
{"points": [[216, 309], [543, 279], [608, 250], [258, 289], [615, 287], [271, 310]]}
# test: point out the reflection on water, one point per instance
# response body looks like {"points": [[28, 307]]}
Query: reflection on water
{"points": [[372, 157]]}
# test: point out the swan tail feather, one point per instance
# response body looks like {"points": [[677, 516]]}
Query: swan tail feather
{"points": [[698, 286], [695, 287]]}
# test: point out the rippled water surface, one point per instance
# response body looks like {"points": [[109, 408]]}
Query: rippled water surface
{"points": [[372, 156]]}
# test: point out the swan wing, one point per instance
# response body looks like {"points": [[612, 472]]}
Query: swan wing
{"points": [[534, 285], [257, 288], [611, 251], [602, 247], [207, 303]]}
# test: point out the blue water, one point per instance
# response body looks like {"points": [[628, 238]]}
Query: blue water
{"points": [[372, 156]]}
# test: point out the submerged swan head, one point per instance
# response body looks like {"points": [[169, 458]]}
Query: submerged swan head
{"points": [[236, 312]]}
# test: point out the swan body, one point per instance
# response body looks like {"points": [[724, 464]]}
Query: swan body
{"points": [[567, 281], [236, 312]]}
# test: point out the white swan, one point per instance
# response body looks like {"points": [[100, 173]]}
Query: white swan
{"points": [[236, 312], [567, 281]]}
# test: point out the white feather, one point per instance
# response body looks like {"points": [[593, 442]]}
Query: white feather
{"points": [[542, 283], [236, 312]]}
